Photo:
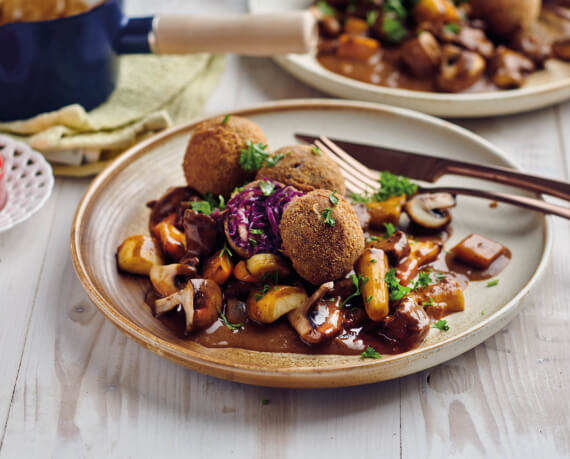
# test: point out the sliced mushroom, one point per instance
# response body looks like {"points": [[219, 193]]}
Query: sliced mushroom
{"points": [[167, 279], [430, 210], [422, 55], [317, 319], [138, 254], [509, 68], [532, 47], [183, 298], [459, 69], [200, 300], [267, 306]]}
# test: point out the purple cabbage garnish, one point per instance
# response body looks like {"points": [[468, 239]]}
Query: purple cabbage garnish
{"points": [[252, 218]]}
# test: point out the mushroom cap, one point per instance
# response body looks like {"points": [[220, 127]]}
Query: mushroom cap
{"points": [[211, 163], [505, 17], [306, 169], [430, 210], [320, 252]]}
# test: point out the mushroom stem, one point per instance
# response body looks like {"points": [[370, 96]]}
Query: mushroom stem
{"points": [[184, 298]]}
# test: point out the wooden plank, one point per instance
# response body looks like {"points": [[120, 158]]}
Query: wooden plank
{"points": [[22, 261], [509, 396]]}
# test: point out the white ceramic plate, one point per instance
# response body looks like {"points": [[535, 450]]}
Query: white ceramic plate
{"points": [[28, 179], [114, 207], [544, 88]]}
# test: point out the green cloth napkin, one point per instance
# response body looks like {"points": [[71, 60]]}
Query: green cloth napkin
{"points": [[152, 93]]}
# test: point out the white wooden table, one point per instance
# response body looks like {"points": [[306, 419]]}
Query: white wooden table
{"points": [[73, 386]]}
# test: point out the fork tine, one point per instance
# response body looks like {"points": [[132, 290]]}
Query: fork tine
{"points": [[351, 173], [357, 165]]}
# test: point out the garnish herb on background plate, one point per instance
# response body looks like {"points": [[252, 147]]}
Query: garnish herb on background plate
{"points": [[226, 119], [493, 283], [391, 185], [316, 150]]}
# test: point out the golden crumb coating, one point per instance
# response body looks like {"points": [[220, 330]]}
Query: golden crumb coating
{"points": [[305, 168], [211, 163], [321, 252]]}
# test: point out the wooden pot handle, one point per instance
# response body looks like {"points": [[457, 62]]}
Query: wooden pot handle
{"points": [[251, 35]]}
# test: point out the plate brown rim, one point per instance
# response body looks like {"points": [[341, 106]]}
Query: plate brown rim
{"points": [[297, 376]]}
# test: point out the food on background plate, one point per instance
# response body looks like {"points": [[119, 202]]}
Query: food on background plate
{"points": [[278, 268], [34, 10], [434, 45]]}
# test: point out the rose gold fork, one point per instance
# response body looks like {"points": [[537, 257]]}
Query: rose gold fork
{"points": [[359, 178]]}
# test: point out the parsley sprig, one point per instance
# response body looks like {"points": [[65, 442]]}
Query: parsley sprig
{"points": [[255, 155], [441, 325], [227, 323], [358, 281], [209, 205], [327, 217], [397, 290], [225, 250], [267, 188], [370, 353], [390, 185], [390, 229]]}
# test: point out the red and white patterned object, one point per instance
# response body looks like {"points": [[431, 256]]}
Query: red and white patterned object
{"points": [[26, 184]]}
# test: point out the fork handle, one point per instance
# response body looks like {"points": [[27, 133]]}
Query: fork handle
{"points": [[521, 201], [511, 177]]}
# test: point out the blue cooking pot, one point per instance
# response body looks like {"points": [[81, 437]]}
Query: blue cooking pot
{"points": [[46, 65]]}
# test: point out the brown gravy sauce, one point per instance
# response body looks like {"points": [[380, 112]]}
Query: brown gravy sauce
{"points": [[280, 336], [383, 69]]}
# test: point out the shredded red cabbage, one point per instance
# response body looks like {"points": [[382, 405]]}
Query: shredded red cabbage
{"points": [[253, 219]]}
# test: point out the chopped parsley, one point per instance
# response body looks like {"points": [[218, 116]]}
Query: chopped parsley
{"points": [[252, 242], [325, 8], [237, 189], [255, 155], [333, 198], [225, 250], [256, 231], [393, 28], [397, 7], [370, 353], [372, 238], [267, 188], [316, 150], [429, 302], [493, 283], [226, 119], [391, 185], [422, 281], [272, 160], [373, 260], [227, 323], [358, 282], [390, 229], [371, 17], [327, 217], [441, 325], [452, 28], [262, 292], [209, 204], [369, 299], [439, 277], [397, 290]]}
